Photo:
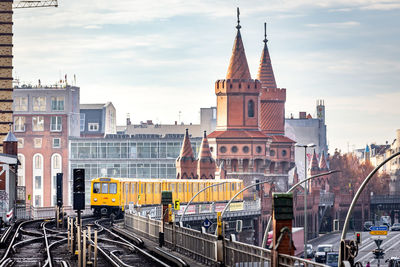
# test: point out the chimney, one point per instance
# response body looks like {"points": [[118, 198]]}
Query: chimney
{"points": [[302, 115], [10, 144], [128, 119]]}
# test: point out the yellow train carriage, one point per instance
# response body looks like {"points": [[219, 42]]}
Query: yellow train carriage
{"points": [[113, 195]]}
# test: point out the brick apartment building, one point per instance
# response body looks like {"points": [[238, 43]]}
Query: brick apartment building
{"points": [[44, 120]]}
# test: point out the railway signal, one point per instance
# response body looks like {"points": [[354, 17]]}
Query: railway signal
{"points": [[59, 189], [79, 189], [358, 238]]}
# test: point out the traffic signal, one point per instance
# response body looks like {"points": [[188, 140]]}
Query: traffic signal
{"points": [[59, 180], [79, 181], [78, 189], [257, 186], [358, 238], [378, 253]]}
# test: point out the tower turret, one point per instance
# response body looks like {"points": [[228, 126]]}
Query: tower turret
{"points": [[323, 166], [238, 95], [272, 99], [186, 164], [10, 144], [206, 166]]}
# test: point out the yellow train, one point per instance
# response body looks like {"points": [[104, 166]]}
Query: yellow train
{"points": [[113, 195]]}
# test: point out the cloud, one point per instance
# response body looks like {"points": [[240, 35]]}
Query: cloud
{"points": [[346, 24]]}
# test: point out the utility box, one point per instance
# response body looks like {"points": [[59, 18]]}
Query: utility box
{"points": [[282, 206]]}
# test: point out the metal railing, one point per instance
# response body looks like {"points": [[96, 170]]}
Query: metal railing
{"points": [[241, 254], [29, 212], [202, 247]]}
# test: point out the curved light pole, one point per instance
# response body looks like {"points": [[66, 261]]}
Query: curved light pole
{"points": [[290, 190], [190, 201], [353, 202], [238, 193], [305, 195]]}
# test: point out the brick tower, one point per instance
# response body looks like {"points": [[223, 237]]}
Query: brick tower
{"points": [[206, 166], [6, 67], [186, 164], [272, 112], [238, 141]]}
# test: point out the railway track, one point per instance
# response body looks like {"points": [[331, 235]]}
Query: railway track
{"points": [[38, 243]]}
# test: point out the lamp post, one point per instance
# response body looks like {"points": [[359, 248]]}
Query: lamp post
{"points": [[238, 193], [305, 195], [290, 190], [190, 201], [354, 201]]}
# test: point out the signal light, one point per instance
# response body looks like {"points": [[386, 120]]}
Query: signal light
{"points": [[358, 238], [79, 181], [59, 196]]}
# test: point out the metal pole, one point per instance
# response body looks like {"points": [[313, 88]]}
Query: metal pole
{"points": [[90, 245], [79, 246], [95, 248], [305, 203], [353, 202], [68, 233], [190, 201], [290, 190], [84, 249], [238, 193]]}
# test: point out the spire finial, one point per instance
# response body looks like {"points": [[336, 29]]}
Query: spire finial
{"points": [[187, 132], [265, 33], [205, 134], [238, 19]]}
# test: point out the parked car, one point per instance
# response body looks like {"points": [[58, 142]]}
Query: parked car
{"points": [[395, 227], [332, 259], [322, 250], [367, 225], [393, 262], [310, 251]]}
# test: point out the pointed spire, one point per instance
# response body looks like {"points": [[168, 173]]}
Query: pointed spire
{"points": [[238, 67], [322, 162], [314, 162], [205, 152], [186, 150], [265, 71]]}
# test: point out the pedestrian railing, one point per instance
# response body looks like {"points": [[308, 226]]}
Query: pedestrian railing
{"points": [[206, 248]]}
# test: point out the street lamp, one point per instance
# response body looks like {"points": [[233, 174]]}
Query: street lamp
{"points": [[190, 201], [290, 190], [305, 195], [354, 201], [238, 193]]}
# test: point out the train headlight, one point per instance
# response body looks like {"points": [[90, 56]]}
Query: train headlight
{"points": [[113, 200], [95, 199]]}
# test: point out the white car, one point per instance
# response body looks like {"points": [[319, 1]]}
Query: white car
{"points": [[322, 250]]}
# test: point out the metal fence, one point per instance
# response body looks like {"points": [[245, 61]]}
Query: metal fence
{"points": [[204, 247], [29, 212]]}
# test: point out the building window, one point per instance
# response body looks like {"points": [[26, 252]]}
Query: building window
{"points": [[57, 103], [56, 162], [222, 149], [20, 142], [250, 109], [272, 153], [38, 123], [38, 161], [56, 142], [93, 127], [39, 103], [284, 153], [82, 121], [20, 104], [234, 149], [21, 170], [19, 124], [38, 182], [55, 124], [37, 201], [258, 149], [37, 142], [246, 149]]}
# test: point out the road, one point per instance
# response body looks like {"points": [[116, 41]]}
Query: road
{"points": [[390, 245]]}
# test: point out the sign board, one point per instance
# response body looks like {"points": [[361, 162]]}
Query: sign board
{"points": [[190, 210], [378, 242], [29, 197], [378, 230], [219, 207], [282, 206], [206, 223], [236, 206], [177, 205], [205, 208]]}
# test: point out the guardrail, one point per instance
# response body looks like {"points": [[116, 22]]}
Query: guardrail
{"points": [[205, 248], [34, 213]]}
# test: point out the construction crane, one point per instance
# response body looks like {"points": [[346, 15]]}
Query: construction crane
{"points": [[35, 3]]}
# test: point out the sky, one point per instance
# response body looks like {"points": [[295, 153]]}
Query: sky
{"points": [[158, 60]]}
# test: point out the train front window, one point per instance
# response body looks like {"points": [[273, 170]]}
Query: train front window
{"points": [[96, 188], [113, 188], [104, 188]]}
